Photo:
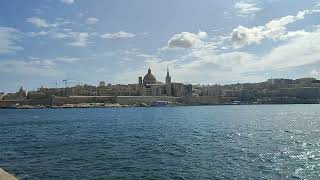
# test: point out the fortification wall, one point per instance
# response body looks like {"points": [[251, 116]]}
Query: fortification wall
{"points": [[306, 92], [206, 100], [145, 99], [58, 101], [123, 100], [8, 103], [31, 102]]}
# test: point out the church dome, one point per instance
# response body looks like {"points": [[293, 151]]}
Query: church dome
{"points": [[149, 78]]}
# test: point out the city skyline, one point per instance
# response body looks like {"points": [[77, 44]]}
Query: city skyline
{"points": [[202, 43], [144, 80]]}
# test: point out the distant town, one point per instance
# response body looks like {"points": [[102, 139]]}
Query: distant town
{"points": [[148, 91]]}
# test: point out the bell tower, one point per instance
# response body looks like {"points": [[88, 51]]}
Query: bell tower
{"points": [[168, 83]]}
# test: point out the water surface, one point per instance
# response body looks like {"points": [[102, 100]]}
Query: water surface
{"points": [[205, 142]]}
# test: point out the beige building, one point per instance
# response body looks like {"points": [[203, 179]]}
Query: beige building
{"points": [[147, 86], [156, 88], [1, 95], [20, 95]]}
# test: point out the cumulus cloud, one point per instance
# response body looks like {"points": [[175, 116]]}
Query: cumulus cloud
{"points": [[202, 34], [245, 9], [8, 40], [117, 35], [186, 39], [274, 30], [92, 20], [67, 1], [241, 36], [80, 39], [299, 51], [41, 23], [243, 66]]}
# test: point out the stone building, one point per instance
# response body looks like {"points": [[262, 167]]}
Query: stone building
{"points": [[20, 95], [1, 95], [155, 88], [146, 86]]}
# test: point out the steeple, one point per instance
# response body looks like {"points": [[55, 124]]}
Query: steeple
{"points": [[168, 83]]}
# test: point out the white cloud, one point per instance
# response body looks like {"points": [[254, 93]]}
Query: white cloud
{"points": [[241, 36], [40, 33], [302, 50], [41, 23], [294, 34], [59, 35], [8, 39], [80, 39], [33, 67], [186, 39], [92, 20], [68, 1], [55, 34], [299, 51], [274, 30], [315, 73], [202, 34], [245, 9], [117, 35], [66, 60]]}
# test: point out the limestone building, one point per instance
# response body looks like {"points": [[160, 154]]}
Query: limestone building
{"points": [[20, 95], [152, 87], [1, 95], [146, 86]]}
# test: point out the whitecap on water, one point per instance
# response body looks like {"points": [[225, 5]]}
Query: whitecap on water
{"points": [[36, 117]]}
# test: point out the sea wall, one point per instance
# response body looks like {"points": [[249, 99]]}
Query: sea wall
{"points": [[122, 100], [58, 101], [206, 100], [146, 99], [31, 102], [8, 103]]}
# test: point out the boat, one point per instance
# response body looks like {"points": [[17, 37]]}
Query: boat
{"points": [[160, 103]]}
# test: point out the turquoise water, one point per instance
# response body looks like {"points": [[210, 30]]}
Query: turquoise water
{"points": [[207, 142]]}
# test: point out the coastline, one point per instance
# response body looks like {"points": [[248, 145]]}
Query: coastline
{"points": [[102, 105]]}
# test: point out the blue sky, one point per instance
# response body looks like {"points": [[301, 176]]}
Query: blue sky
{"points": [[202, 42]]}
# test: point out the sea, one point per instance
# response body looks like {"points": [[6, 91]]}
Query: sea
{"points": [[192, 142]]}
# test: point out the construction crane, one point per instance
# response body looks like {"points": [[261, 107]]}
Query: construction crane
{"points": [[67, 82]]}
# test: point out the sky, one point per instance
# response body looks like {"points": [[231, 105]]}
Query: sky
{"points": [[43, 42]]}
